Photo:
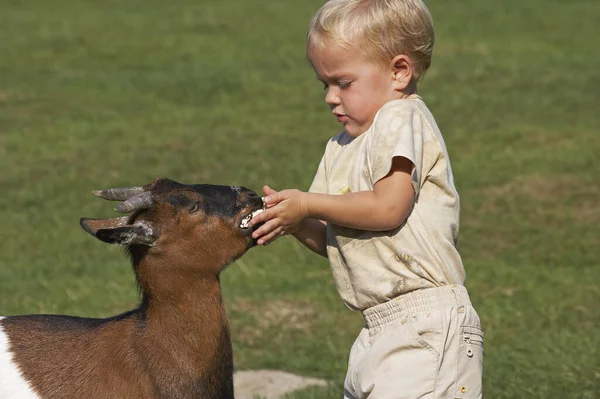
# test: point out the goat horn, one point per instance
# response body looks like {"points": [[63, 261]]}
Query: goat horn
{"points": [[118, 194], [139, 201]]}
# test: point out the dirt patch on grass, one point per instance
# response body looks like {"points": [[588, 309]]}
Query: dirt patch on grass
{"points": [[6, 94], [571, 195]]}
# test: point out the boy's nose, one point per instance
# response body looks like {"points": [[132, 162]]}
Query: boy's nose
{"points": [[331, 98]]}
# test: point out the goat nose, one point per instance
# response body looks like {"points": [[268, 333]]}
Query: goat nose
{"points": [[253, 198]]}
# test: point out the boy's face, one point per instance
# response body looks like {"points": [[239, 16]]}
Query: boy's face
{"points": [[355, 88]]}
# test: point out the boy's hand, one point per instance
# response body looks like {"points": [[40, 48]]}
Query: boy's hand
{"points": [[285, 211]]}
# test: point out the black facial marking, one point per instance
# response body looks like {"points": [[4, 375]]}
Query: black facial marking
{"points": [[179, 200], [222, 201]]}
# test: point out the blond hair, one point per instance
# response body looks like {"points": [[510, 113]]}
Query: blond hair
{"points": [[382, 29]]}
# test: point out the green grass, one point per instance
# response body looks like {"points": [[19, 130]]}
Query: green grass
{"points": [[97, 94]]}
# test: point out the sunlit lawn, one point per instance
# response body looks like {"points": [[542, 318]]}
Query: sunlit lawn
{"points": [[97, 94]]}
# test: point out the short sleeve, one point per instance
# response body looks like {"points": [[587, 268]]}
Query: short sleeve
{"points": [[397, 132], [319, 184]]}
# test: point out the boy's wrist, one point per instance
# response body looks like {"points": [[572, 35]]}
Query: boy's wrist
{"points": [[306, 208]]}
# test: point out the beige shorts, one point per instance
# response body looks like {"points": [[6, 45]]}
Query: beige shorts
{"points": [[424, 344]]}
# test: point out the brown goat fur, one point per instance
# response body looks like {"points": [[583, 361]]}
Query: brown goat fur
{"points": [[176, 344]]}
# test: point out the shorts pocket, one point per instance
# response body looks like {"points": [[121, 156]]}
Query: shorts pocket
{"points": [[470, 363], [472, 336], [425, 329]]}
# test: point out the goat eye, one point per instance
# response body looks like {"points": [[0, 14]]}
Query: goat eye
{"points": [[195, 207]]}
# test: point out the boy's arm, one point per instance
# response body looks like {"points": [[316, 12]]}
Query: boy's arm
{"points": [[384, 208], [312, 234]]}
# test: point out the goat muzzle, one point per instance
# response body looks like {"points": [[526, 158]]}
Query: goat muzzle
{"points": [[246, 221]]}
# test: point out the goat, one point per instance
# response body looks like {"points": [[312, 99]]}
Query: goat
{"points": [[176, 343]]}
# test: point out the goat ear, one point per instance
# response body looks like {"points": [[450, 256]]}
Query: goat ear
{"points": [[128, 235], [93, 225], [117, 231]]}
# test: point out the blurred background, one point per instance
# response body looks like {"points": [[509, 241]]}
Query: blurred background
{"points": [[97, 94]]}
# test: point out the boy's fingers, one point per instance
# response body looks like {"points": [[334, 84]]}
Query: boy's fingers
{"points": [[272, 199], [268, 190], [261, 217], [264, 229], [270, 237]]}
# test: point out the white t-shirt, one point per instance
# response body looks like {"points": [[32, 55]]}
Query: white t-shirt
{"points": [[371, 267]]}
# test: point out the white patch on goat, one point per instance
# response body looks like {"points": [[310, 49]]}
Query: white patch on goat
{"points": [[12, 383]]}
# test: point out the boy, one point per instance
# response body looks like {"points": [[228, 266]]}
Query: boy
{"points": [[383, 207]]}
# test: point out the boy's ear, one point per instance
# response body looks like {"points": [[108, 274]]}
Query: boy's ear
{"points": [[402, 68]]}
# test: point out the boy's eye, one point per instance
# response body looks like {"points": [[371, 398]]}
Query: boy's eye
{"points": [[325, 86], [344, 85]]}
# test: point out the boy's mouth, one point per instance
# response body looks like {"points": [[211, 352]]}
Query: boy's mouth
{"points": [[341, 118]]}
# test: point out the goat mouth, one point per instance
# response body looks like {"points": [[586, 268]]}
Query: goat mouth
{"points": [[245, 223]]}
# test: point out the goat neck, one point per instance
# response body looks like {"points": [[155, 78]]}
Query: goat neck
{"points": [[182, 323]]}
